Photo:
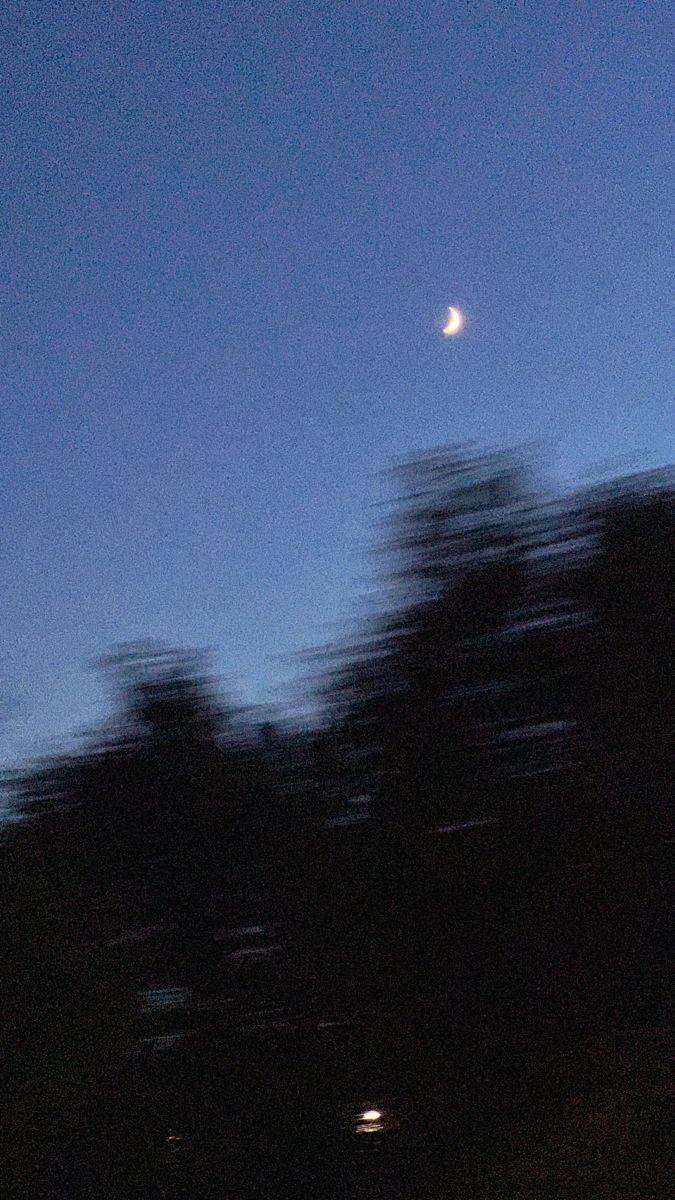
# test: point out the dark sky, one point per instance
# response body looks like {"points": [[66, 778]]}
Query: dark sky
{"points": [[230, 234]]}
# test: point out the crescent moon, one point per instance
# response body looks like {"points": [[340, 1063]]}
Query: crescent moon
{"points": [[455, 322]]}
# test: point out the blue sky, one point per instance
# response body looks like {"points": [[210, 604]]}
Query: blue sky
{"points": [[230, 236]]}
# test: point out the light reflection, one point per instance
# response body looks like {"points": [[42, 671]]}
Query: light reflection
{"points": [[370, 1121]]}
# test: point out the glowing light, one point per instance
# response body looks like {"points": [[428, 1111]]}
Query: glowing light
{"points": [[371, 1114], [454, 322]]}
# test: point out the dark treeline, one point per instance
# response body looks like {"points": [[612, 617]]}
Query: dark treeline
{"points": [[477, 828]]}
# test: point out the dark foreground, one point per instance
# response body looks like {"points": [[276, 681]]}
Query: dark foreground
{"points": [[345, 1111]]}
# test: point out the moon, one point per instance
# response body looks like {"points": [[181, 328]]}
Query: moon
{"points": [[454, 323]]}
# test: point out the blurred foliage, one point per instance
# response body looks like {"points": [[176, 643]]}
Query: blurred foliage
{"points": [[480, 820]]}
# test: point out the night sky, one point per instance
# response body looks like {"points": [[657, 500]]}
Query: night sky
{"points": [[230, 236]]}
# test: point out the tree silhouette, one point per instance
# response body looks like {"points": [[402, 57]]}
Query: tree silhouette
{"points": [[481, 819]]}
